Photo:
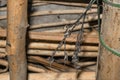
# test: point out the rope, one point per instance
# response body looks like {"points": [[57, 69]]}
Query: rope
{"points": [[99, 25]]}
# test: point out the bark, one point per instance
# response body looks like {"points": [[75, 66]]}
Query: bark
{"points": [[109, 64], [16, 38]]}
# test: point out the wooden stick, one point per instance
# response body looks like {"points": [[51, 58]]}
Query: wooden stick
{"points": [[35, 68], [49, 53], [86, 25], [90, 37], [63, 23], [81, 64], [61, 53], [55, 12], [47, 63], [53, 46]]}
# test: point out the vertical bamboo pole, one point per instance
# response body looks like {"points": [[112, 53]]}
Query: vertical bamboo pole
{"points": [[16, 35], [109, 64]]}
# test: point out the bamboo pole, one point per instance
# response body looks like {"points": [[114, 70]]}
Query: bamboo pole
{"points": [[16, 39]]}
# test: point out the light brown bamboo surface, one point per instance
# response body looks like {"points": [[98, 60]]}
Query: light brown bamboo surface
{"points": [[56, 76]]}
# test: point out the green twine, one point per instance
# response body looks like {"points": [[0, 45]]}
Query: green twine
{"points": [[100, 37]]}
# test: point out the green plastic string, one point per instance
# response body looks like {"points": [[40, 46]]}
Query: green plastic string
{"points": [[100, 37]]}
